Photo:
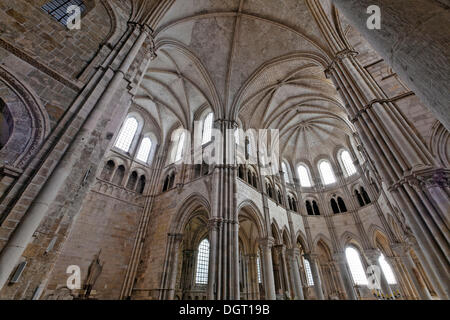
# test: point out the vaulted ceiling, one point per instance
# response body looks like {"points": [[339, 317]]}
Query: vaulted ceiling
{"points": [[260, 62]]}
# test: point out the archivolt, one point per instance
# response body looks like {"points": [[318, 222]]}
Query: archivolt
{"points": [[28, 135]]}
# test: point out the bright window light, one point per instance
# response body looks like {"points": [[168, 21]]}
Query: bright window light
{"points": [[387, 270], [201, 276], [126, 134], [303, 175], [327, 173], [144, 150], [348, 163], [308, 272], [356, 267], [207, 128], [180, 146]]}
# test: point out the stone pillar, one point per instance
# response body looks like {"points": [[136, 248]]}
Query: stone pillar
{"points": [[174, 241], [293, 256], [281, 252], [187, 271], [214, 226], [373, 257], [403, 252], [402, 160], [412, 42], [345, 275], [312, 258], [429, 271], [269, 282]]}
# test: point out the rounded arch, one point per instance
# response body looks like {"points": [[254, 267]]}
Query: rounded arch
{"points": [[30, 120]]}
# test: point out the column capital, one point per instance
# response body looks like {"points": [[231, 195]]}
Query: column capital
{"points": [[267, 242], [311, 256]]}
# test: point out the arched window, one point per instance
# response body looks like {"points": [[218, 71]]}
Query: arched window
{"points": [[201, 274], [132, 180], [108, 170], [118, 176], [249, 176], [349, 167], [241, 171], [341, 205], [316, 208], [126, 134], [285, 172], [365, 195], [207, 128], [356, 267], [279, 197], [258, 268], [254, 181], [309, 277], [359, 197], [334, 206], [58, 9], [144, 150], [180, 146], [303, 175], [309, 209], [141, 185], [326, 172], [387, 271]]}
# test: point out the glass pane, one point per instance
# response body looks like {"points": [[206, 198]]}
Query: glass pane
{"points": [[207, 128], [180, 147], [308, 272], [387, 271], [349, 168], [356, 267], [258, 268], [201, 276], [144, 150], [303, 175], [126, 134], [285, 171], [327, 173]]}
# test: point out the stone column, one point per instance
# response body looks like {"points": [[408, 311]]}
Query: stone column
{"points": [[411, 40], [187, 270], [281, 251], [269, 282], [429, 271], [214, 226], [293, 257], [402, 160], [312, 258], [345, 275], [403, 252], [174, 240], [373, 257]]}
